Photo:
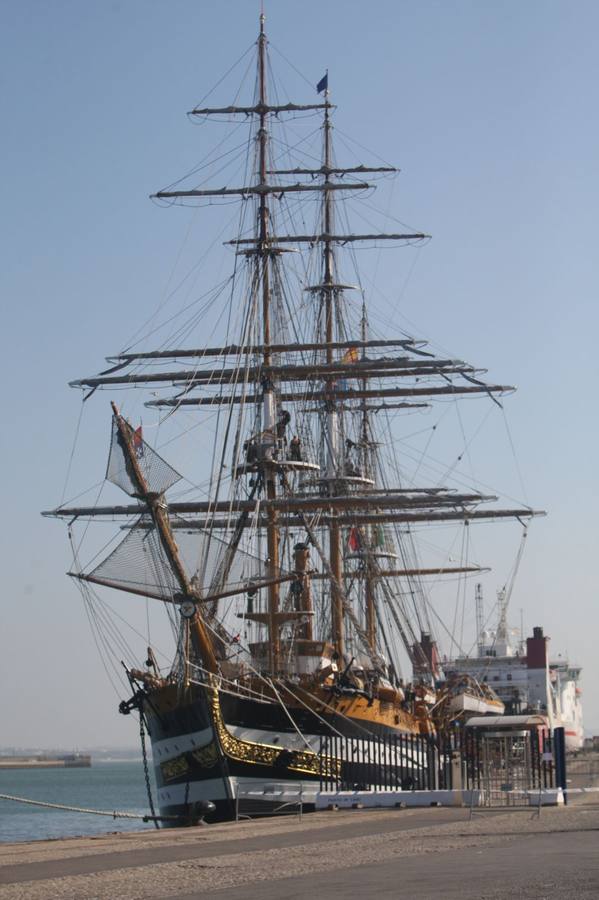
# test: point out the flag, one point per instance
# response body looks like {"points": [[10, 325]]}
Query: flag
{"points": [[379, 536], [350, 356], [138, 442], [323, 84], [354, 543]]}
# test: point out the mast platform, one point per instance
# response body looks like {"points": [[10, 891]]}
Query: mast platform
{"points": [[343, 480], [368, 554], [278, 465]]}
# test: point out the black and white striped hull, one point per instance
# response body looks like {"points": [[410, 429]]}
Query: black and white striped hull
{"points": [[198, 757]]}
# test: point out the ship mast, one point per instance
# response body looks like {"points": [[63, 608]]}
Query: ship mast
{"points": [[200, 637], [263, 256], [369, 583], [328, 290]]}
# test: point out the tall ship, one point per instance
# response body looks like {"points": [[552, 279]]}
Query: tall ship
{"points": [[285, 561], [522, 673]]}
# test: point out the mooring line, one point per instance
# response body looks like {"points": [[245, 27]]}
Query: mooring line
{"points": [[81, 809]]}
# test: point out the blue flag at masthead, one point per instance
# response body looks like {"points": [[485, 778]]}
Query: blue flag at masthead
{"points": [[323, 84]]}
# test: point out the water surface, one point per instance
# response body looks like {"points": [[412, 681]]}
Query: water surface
{"points": [[118, 785]]}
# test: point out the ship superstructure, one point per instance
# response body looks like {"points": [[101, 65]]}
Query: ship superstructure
{"points": [[292, 582], [524, 677]]}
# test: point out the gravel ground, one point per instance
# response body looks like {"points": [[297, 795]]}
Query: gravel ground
{"points": [[327, 854]]}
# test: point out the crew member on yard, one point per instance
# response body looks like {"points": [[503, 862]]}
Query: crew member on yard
{"points": [[251, 451], [282, 423], [295, 449]]}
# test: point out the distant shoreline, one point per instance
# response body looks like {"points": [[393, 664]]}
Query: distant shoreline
{"points": [[66, 761]]}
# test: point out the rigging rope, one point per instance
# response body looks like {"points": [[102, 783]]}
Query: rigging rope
{"points": [[288, 714], [73, 448]]}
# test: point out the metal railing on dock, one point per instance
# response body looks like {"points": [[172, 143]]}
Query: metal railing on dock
{"points": [[499, 764]]}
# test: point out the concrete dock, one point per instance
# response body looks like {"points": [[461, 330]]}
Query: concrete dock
{"points": [[415, 854]]}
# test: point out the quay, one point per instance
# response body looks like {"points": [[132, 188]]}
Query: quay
{"points": [[414, 854], [47, 761]]}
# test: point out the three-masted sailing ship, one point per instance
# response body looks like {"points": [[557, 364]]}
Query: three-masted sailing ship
{"points": [[302, 543]]}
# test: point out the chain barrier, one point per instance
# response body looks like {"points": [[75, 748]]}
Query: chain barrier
{"points": [[142, 735]]}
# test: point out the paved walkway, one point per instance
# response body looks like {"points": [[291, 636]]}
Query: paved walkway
{"points": [[414, 854]]}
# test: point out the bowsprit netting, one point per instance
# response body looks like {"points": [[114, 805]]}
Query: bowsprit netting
{"points": [[158, 474], [140, 564]]}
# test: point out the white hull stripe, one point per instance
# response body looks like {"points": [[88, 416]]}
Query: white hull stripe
{"points": [[214, 789], [287, 740]]}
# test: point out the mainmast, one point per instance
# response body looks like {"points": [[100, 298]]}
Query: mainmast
{"points": [[333, 449], [263, 256]]}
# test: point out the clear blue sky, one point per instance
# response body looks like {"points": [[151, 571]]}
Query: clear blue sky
{"points": [[490, 111]]}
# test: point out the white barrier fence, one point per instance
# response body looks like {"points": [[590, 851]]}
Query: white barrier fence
{"points": [[478, 800]]}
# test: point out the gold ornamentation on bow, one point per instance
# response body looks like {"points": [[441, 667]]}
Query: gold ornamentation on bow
{"points": [[174, 768], [304, 761], [206, 756]]}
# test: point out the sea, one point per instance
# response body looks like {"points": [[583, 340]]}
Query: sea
{"points": [[112, 785]]}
